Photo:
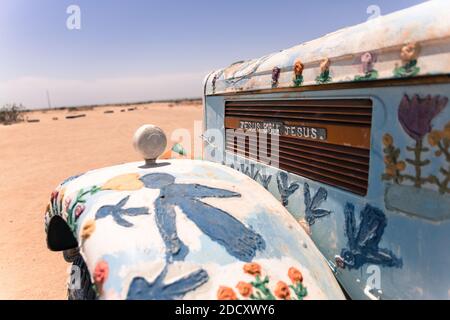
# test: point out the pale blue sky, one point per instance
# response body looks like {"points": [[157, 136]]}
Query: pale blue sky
{"points": [[146, 49]]}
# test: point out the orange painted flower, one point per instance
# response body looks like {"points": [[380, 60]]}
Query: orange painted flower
{"points": [[400, 166], [298, 68], [88, 229], [295, 275], [245, 289], [446, 132], [388, 140], [391, 169], [101, 272], [409, 52], [325, 65], [252, 268], [282, 291], [434, 137], [226, 293]]}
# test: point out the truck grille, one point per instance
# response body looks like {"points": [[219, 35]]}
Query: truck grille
{"points": [[338, 156]]}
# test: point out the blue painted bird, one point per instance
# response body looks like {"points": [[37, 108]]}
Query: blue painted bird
{"points": [[285, 188], [363, 243], [221, 227], [141, 289], [312, 212], [117, 212]]}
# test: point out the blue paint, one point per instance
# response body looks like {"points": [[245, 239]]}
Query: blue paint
{"points": [[141, 289], [285, 189], [363, 243], [252, 173], [239, 241], [71, 179], [265, 180], [311, 205], [117, 211]]}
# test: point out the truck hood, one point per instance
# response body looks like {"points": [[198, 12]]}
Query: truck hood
{"points": [[188, 229]]}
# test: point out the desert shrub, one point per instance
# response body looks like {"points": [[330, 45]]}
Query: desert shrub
{"points": [[11, 113]]}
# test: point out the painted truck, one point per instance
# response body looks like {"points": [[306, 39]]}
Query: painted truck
{"points": [[326, 166]]}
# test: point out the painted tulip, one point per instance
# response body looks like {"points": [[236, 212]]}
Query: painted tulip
{"points": [[226, 293], [79, 209], [67, 202], [415, 115]]}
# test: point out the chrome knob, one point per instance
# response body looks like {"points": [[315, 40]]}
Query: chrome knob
{"points": [[150, 141]]}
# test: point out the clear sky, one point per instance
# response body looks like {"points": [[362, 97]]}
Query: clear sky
{"points": [[138, 50]]}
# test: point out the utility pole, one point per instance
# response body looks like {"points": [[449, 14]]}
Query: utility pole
{"points": [[48, 100]]}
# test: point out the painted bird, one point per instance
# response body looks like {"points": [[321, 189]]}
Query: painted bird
{"points": [[221, 227], [117, 212]]}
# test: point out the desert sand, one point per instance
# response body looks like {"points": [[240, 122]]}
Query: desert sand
{"points": [[36, 157]]}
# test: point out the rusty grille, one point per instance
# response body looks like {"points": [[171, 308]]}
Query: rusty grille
{"points": [[340, 160]]}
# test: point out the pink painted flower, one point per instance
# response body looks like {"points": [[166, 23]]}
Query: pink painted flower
{"points": [[101, 272], [415, 115], [67, 202], [79, 209], [54, 195], [367, 61]]}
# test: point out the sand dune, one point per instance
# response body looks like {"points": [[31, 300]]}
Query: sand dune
{"points": [[35, 157]]}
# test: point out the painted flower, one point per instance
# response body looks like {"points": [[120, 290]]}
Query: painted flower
{"points": [[67, 202], [101, 272], [124, 182], [400, 166], [367, 61], [415, 114], [388, 140], [54, 195], [282, 291], [446, 132], [409, 52], [298, 68], [275, 75], [88, 229], [226, 293], [325, 65], [245, 289], [252, 268], [434, 137], [391, 169], [79, 209], [295, 275]]}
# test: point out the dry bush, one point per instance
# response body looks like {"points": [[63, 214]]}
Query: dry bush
{"points": [[11, 113]]}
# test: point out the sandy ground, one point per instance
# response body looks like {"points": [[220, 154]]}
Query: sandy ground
{"points": [[35, 157]]}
